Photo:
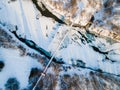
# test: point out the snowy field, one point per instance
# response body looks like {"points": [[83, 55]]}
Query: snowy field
{"points": [[75, 50]]}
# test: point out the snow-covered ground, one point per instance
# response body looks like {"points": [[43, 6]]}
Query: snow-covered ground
{"points": [[17, 67], [48, 34], [27, 18]]}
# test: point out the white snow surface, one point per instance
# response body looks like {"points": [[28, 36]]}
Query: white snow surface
{"points": [[90, 57], [16, 66], [47, 34], [27, 18]]}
